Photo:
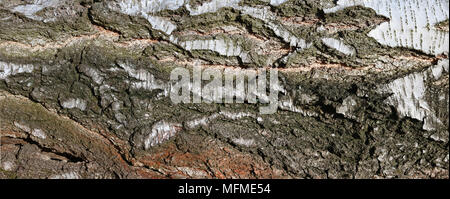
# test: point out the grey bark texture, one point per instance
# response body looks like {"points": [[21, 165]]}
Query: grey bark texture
{"points": [[84, 89]]}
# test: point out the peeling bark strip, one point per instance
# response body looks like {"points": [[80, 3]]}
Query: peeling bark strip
{"points": [[411, 25], [85, 89]]}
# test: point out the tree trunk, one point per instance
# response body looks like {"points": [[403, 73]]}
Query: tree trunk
{"points": [[85, 89]]}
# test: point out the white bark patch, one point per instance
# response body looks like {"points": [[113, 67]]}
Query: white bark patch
{"points": [[339, 46], [93, 73], [277, 2], [145, 8], [38, 133], [69, 175], [289, 37], [244, 142], [288, 105], [212, 6], [30, 9], [133, 7], [8, 69], [347, 106], [260, 13], [263, 14], [74, 103], [270, 19], [161, 24], [35, 132], [221, 46], [409, 95], [411, 23], [236, 116], [8, 166], [145, 79], [22, 127], [204, 121], [216, 5], [191, 172], [161, 132]]}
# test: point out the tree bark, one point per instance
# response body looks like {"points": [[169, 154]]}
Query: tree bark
{"points": [[84, 89]]}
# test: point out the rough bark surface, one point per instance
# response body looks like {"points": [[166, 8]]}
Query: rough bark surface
{"points": [[84, 89]]}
